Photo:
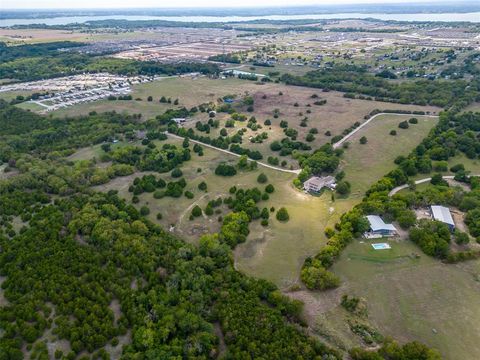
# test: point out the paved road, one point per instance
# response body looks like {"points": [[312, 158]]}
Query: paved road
{"points": [[421, 181], [297, 171], [346, 137]]}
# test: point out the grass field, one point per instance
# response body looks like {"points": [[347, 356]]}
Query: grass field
{"points": [[192, 92], [10, 95], [31, 106], [365, 164], [412, 298]]}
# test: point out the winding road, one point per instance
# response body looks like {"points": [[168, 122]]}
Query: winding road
{"points": [[421, 181], [354, 131], [297, 171]]}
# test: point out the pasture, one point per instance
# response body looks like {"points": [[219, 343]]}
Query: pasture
{"points": [[410, 297], [364, 164]]}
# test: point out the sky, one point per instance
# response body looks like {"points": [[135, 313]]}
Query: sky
{"points": [[105, 4]]}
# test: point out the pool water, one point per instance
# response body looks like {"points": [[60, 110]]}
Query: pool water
{"points": [[381, 246]]}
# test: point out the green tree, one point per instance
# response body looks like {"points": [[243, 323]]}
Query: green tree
{"points": [[282, 215], [262, 178], [197, 211]]}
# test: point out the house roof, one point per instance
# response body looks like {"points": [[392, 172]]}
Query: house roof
{"points": [[376, 223], [441, 213]]}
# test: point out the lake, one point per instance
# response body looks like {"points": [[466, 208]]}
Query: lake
{"points": [[447, 17]]}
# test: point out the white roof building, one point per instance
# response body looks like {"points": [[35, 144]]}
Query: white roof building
{"points": [[379, 228], [315, 183], [442, 214]]}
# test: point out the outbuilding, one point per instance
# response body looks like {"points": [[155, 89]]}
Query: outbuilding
{"points": [[442, 214]]}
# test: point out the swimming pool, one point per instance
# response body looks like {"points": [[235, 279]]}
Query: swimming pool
{"points": [[381, 246]]}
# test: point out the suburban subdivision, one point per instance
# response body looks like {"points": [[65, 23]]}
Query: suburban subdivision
{"points": [[246, 183]]}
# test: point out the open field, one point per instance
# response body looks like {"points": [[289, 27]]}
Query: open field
{"points": [[29, 36], [365, 164], [10, 95], [339, 113], [412, 298]]}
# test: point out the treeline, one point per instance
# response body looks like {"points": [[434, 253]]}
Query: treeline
{"points": [[24, 131], [9, 53], [353, 80]]}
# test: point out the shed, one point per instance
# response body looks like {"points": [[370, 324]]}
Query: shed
{"points": [[442, 214], [179, 120]]}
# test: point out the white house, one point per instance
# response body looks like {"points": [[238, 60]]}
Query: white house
{"points": [[315, 183], [378, 228]]}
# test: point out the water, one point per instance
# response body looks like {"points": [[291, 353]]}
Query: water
{"points": [[447, 17]]}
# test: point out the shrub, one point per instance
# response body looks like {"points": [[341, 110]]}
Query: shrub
{"points": [[202, 186], [267, 122], [189, 194], [437, 179], [159, 216], [329, 232], [176, 173], [403, 125], [144, 210], [413, 121], [363, 140], [461, 237], [282, 215], [269, 188], [319, 278], [159, 194], [197, 211], [457, 168], [262, 178], [393, 132], [343, 187], [225, 170]]}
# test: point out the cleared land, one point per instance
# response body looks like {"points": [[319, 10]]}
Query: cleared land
{"points": [[194, 91], [412, 298]]}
